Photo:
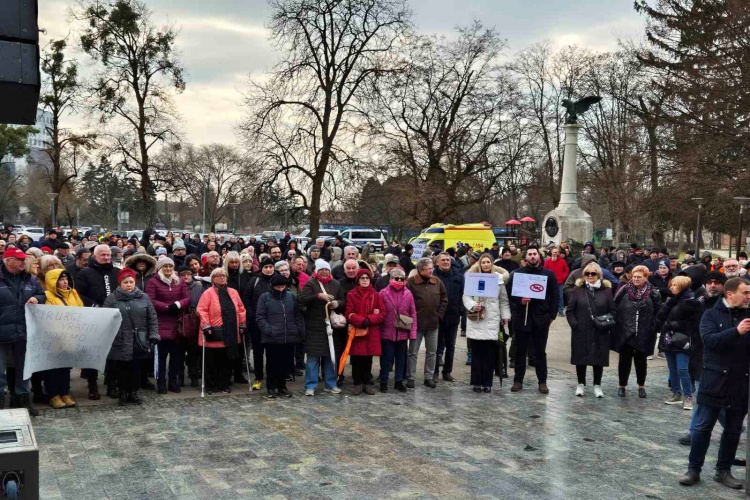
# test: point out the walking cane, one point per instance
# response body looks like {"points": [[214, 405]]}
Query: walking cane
{"points": [[247, 364], [156, 363], [203, 367]]}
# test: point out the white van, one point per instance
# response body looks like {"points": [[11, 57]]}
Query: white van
{"points": [[363, 236]]}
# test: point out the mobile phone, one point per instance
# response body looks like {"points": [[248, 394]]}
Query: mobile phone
{"points": [[481, 285]]}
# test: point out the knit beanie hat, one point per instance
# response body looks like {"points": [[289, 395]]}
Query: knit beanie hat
{"points": [[266, 262], [125, 272], [321, 264], [279, 279], [163, 262], [178, 245]]}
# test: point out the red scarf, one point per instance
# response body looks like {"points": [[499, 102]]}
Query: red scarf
{"points": [[325, 281]]}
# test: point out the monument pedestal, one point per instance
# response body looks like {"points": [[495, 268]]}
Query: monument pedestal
{"points": [[568, 221]]}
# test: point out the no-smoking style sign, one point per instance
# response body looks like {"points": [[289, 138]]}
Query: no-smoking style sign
{"points": [[532, 286]]}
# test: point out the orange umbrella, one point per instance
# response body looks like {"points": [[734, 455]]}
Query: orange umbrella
{"points": [[353, 332]]}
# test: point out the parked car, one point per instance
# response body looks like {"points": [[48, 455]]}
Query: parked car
{"points": [[304, 237], [272, 235], [364, 236], [35, 233], [347, 242]]}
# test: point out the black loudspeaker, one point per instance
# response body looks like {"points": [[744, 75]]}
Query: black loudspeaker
{"points": [[19, 61]]}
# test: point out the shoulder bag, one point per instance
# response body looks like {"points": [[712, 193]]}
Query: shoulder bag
{"points": [[403, 322], [140, 338], [603, 321], [337, 320]]}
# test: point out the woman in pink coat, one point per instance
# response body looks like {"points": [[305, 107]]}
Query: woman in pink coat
{"points": [[394, 337], [222, 317], [364, 309]]}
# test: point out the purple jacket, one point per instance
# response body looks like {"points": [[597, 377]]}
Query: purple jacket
{"points": [[162, 295], [398, 302]]}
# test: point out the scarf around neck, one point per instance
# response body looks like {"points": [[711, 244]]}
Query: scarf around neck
{"points": [[325, 281], [637, 294], [229, 320]]}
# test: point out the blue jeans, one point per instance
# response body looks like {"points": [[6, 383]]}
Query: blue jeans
{"points": [[18, 351], [700, 439], [693, 415], [393, 351], [679, 373], [312, 369], [562, 300]]}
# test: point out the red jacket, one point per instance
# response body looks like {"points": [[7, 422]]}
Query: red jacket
{"points": [[162, 295], [559, 267], [360, 304]]}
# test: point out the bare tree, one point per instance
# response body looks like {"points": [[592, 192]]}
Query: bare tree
{"points": [[139, 69], [301, 115]]}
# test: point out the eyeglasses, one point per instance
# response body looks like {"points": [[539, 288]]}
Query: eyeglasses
{"points": [[591, 274], [398, 279], [365, 277]]}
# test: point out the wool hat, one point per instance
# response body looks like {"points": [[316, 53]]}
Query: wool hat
{"points": [[14, 253], [362, 272], [664, 262], [618, 263], [587, 259], [184, 269], [321, 264], [266, 262], [715, 276], [178, 245], [475, 255], [161, 251], [706, 254], [90, 245], [125, 272], [163, 262], [46, 249], [279, 279], [391, 260], [115, 250]]}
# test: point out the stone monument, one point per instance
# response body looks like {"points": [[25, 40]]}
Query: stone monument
{"points": [[568, 221]]}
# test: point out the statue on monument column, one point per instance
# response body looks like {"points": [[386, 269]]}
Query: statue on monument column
{"points": [[576, 108]]}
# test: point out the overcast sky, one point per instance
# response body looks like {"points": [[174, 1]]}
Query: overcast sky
{"points": [[223, 42]]}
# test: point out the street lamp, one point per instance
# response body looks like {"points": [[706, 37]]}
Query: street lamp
{"points": [[52, 197], [699, 201], [742, 200], [234, 217], [119, 213]]}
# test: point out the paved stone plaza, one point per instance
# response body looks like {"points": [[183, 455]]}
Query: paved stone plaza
{"points": [[443, 443]]}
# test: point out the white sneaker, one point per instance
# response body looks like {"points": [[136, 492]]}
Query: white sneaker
{"points": [[309, 392], [650, 358], [598, 391], [334, 390], [579, 390]]}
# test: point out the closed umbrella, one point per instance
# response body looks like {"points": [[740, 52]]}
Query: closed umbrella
{"points": [[329, 332]]}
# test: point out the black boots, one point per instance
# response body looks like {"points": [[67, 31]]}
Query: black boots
{"points": [[25, 402], [161, 386], [173, 385]]}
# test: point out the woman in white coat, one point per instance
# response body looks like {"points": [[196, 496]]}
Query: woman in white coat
{"points": [[483, 330]]}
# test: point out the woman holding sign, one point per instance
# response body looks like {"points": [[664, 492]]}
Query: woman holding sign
{"points": [[485, 314]]}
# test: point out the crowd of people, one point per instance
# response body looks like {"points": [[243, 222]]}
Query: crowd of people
{"points": [[220, 308]]}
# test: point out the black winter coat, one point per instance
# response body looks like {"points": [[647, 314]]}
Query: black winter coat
{"points": [[724, 381], [696, 348], [279, 318], [589, 345], [454, 286], [96, 282], [636, 321], [13, 303], [662, 284], [316, 335], [679, 314], [257, 286], [239, 280], [137, 313], [541, 311]]}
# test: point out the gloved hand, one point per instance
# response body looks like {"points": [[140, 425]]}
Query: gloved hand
{"points": [[365, 323], [173, 308], [153, 340]]}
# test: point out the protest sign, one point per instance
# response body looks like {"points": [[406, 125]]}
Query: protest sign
{"points": [[532, 286], [62, 337], [482, 284]]}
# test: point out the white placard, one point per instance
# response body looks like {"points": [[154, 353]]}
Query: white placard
{"points": [[482, 284], [532, 286], [62, 337], [419, 249]]}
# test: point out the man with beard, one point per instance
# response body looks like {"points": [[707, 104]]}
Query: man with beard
{"points": [[731, 268], [532, 325]]}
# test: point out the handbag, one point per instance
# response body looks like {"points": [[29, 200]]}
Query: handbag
{"points": [[215, 334], [337, 320], [404, 322], [603, 321], [678, 340], [476, 315], [140, 339]]}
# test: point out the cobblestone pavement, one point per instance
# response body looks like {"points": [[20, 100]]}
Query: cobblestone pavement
{"points": [[429, 443]]}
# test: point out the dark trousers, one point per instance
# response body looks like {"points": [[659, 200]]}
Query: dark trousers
{"points": [[194, 361], [239, 363], [280, 362], [258, 349], [57, 381], [628, 356], [700, 439], [218, 368], [393, 351], [514, 347], [483, 359], [537, 338], [581, 373], [128, 374], [174, 350], [361, 368], [447, 331]]}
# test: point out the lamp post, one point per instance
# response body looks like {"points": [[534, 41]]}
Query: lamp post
{"points": [[52, 197], [699, 201], [742, 200], [119, 213], [234, 217]]}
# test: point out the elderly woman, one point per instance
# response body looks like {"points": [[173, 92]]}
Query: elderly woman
{"points": [[282, 326], [483, 327], [638, 303], [679, 322], [139, 329], [321, 290], [260, 285], [222, 321], [282, 267], [47, 263], [171, 298], [60, 292], [364, 310], [591, 297], [396, 330]]}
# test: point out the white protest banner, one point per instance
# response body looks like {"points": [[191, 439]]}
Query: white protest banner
{"points": [[532, 286], [482, 284], [419, 249], [62, 337]]}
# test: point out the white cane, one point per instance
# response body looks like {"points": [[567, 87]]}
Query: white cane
{"points": [[156, 363], [203, 367], [247, 364]]}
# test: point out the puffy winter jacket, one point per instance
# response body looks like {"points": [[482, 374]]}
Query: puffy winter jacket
{"points": [[137, 313], [398, 302], [163, 293], [142, 278], [636, 321], [454, 288], [559, 267], [541, 311], [496, 309], [209, 311], [280, 319], [361, 305], [13, 302], [589, 345], [96, 282], [57, 297], [316, 334]]}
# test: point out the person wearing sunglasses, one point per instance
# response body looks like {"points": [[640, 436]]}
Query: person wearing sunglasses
{"points": [[396, 330], [589, 343]]}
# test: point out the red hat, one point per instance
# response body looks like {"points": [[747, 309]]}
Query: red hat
{"points": [[46, 249], [14, 253], [125, 273], [362, 272]]}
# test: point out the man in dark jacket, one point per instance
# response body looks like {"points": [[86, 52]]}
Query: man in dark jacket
{"points": [[51, 240], [532, 319], [405, 259], [506, 261], [724, 382], [391, 263], [81, 262], [453, 280], [17, 288], [431, 300]]}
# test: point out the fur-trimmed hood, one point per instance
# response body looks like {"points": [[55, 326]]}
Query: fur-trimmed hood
{"points": [[150, 261], [605, 283]]}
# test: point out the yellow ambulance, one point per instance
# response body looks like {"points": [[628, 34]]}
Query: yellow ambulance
{"points": [[479, 236]]}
